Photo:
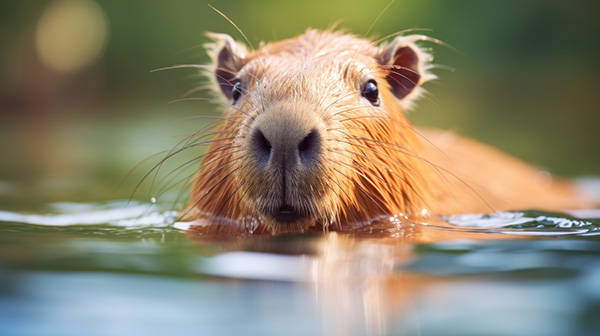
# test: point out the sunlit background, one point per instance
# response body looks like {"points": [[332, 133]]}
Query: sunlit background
{"points": [[79, 106]]}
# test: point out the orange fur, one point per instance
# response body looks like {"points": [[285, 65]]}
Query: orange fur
{"points": [[373, 164]]}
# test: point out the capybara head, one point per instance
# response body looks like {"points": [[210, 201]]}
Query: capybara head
{"points": [[313, 133]]}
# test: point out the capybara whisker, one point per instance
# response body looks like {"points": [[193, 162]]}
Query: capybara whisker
{"points": [[314, 135]]}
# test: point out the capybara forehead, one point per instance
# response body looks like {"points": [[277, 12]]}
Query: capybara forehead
{"points": [[315, 44], [314, 55], [304, 76]]}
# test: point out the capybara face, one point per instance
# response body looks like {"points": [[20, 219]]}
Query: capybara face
{"points": [[314, 129]]}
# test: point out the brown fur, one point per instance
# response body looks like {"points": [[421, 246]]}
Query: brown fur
{"points": [[372, 163]]}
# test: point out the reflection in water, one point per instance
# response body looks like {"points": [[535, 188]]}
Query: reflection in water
{"points": [[467, 277], [370, 281], [356, 287], [354, 282]]}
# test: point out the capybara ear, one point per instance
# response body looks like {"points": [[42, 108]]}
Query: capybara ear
{"points": [[406, 66], [228, 58]]}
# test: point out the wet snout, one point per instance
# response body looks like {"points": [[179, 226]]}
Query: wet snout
{"points": [[286, 146]]}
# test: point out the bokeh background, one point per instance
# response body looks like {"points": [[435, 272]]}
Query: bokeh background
{"points": [[79, 106]]}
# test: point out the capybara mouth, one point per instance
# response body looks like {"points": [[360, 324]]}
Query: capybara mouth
{"points": [[286, 214], [314, 135]]}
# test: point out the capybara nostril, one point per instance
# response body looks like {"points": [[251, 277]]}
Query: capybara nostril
{"points": [[318, 138], [283, 145], [261, 146], [309, 147]]}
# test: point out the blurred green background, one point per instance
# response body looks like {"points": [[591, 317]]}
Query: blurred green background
{"points": [[79, 106]]}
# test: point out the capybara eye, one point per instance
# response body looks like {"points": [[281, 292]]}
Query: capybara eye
{"points": [[371, 93], [236, 91]]}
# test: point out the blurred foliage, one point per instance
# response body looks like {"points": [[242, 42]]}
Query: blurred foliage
{"points": [[525, 81]]}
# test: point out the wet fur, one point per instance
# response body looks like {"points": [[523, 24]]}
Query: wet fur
{"points": [[375, 164]]}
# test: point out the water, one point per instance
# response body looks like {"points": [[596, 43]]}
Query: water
{"points": [[127, 269]]}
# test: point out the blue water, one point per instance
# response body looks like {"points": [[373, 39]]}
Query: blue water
{"points": [[128, 269]]}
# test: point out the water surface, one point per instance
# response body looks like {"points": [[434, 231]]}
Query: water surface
{"points": [[122, 269]]}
